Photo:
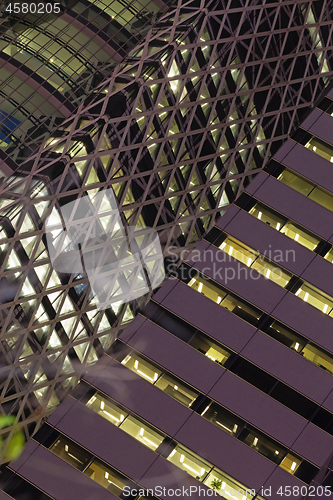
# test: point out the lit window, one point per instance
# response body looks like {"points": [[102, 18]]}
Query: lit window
{"points": [[106, 409], [110, 479], [253, 259], [272, 271], [302, 237], [142, 432], [142, 367], [189, 462], [290, 463], [227, 487], [296, 182], [239, 251], [316, 298], [71, 453], [321, 148], [318, 357], [177, 390], [207, 288]]}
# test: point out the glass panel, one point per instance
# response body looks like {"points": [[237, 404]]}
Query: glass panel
{"points": [[318, 357], [272, 271], [106, 409], [239, 251], [321, 148], [322, 198], [177, 390], [290, 463], [227, 487], [142, 432], [316, 298], [223, 419], [303, 237], [106, 477], [242, 309], [189, 462], [142, 367], [209, 348], [207, 288], [295, 182], [262, 444], [329, 255], [268, 216], [286, 336], [71, 453], [248, 256]]}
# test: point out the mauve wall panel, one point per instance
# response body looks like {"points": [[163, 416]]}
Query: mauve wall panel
{"points": [[279, 479], [258, 408], [4, 496], [271, 243], [239, 279], [320, 274], [328, 403], [311, 166], [207, 316], [164, 474], [140, 323], [291, 368], [231, 212], [305, 319], [106, 441], [322, 128], [312, 118], [60, 480], [314, 444], [98, 368], [30, 448], [295, 206], [177, 357], [166, 289], [142, 398], [193, 256], [284, 150], [256, 184], [132, 328], [62, 409], [225, 452]]}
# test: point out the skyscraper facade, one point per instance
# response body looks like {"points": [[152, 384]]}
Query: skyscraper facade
{"points": [[53, 54], [175, 131], [224, 380]]}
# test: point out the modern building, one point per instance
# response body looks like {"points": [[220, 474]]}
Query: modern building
{"points": [[225, 379], [193, 109], [52, 56]]}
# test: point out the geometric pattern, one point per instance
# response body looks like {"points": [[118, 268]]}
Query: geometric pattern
{"points": [[176, 131], [50, 60]]}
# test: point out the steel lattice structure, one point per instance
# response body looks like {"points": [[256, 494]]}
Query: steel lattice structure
{"points": [[176, 131]]}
